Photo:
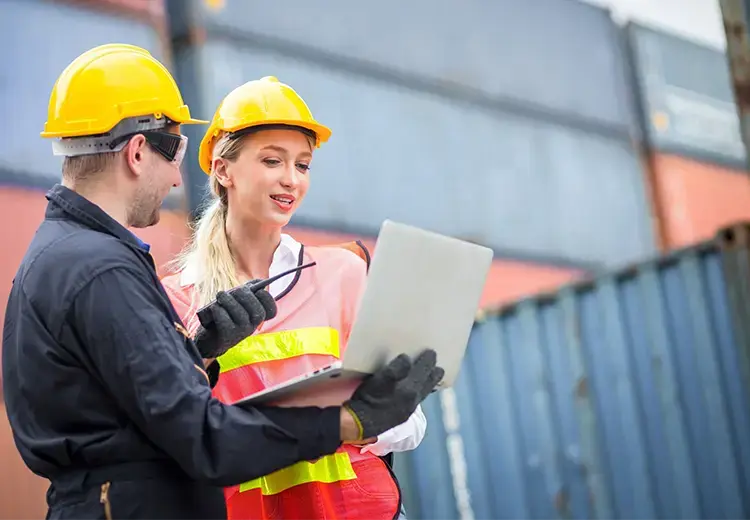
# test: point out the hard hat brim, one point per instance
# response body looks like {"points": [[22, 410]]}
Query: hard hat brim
{"points": [[194, 122], [322, 133]]}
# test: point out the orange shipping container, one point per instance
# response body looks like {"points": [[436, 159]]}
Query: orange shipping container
{"points": [[507, 281], [151, 10], [22, 494], [694, 200]]}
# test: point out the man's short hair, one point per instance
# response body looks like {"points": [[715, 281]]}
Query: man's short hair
{"points": [[83, 168]]}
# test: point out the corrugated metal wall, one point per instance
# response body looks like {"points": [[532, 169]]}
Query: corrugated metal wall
{"points": [[624, 397], [686, 96], [51, 35], [530, 155]]}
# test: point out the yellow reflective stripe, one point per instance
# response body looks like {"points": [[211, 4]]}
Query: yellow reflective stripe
{"points": [[281, 345], [328, 469]]}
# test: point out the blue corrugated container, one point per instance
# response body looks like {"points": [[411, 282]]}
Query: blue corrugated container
{"points": [[41, 38], [526, 187], [627, 396], [555, 56], [686, 97]]}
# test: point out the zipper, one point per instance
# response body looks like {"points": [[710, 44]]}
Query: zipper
{"points": [[104, 500]]}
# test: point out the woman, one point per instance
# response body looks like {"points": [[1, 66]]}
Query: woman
{"points": [[258, 152]]}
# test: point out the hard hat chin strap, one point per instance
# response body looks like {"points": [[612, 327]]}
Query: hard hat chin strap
{"points": [[90, 145]]}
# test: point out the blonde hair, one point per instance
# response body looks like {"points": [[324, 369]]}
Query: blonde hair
{"points": [[208, 248]]}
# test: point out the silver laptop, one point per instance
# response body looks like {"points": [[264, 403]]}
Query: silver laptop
{"points": [[423, 290]]}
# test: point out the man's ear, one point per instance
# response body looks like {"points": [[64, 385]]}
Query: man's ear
{"points": [[135, 154]]}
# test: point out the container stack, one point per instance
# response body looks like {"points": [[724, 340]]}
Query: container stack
{"points": [[517, 139], [694, 154]]}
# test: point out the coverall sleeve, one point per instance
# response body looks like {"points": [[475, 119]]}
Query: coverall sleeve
{"points": [[143, 360]]}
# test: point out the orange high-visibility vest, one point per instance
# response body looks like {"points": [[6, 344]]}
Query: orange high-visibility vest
{"points": [[310, 331]]}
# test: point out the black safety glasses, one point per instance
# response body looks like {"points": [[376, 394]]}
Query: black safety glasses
{"points": [[170, 146]]}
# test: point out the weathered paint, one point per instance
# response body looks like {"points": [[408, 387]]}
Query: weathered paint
{"points": [[693, 200], [685, 112], [527, 188], [627, 396]]}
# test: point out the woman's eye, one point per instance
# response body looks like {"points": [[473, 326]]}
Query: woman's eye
{"points": [[303, 167], [271, 162]]}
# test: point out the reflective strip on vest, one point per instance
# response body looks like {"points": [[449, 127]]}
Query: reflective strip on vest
{"points": [[284, 344], [327, 469]]}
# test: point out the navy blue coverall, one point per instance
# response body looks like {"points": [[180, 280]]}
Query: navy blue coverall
{"points": [[108, 399]]}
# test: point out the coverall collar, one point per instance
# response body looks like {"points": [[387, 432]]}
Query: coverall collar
{"points": [[89, 214]]}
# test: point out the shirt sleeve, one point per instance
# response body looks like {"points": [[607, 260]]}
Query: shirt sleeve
{"points": [[150, 370], [404, 437]]}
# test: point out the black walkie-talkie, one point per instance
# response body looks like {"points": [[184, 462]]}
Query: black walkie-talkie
{"points": [[204, 314]]}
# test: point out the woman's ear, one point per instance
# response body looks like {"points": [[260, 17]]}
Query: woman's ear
{"points": [[220, 171]]}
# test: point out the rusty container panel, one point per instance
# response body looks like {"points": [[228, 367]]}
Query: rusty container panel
{"points": [[624, 396], [556, 59], [694, 199], [22, 493], [24, 208], [508, 280], [525, 187], [686, 97], [49, 35]]}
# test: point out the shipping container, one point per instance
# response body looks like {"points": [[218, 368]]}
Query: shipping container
{"points": [[685, 96], [695, 199], [22, 210], [555, 59], [49, 35], [507, 281], [22, 493], [151, 11], [527, 188], [624, 396]]}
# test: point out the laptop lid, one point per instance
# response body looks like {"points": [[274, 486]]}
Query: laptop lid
{"points": [[423, 291]]}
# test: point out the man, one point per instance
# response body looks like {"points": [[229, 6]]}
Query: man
{"points": [[105, 391]]}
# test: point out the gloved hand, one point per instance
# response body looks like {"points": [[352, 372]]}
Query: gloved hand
{"points": [[389, 397], [236, 315]]}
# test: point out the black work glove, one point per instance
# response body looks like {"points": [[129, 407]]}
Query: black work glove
{"points": [[236, 315], [389, 396]]}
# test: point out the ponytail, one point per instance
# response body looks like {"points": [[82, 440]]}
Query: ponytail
{"points": [[208, 250]]}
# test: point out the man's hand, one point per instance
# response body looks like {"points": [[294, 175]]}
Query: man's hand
{"points": [[388, 397], [235, 315]]}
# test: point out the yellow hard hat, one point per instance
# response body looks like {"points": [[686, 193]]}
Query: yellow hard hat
{"points": [[108, 84], [265, 101]]}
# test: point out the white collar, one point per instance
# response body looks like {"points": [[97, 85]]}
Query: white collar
{"points": [[285, 257]]}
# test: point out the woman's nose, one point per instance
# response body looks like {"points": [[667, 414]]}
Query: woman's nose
{"points": [[290, 178]]}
